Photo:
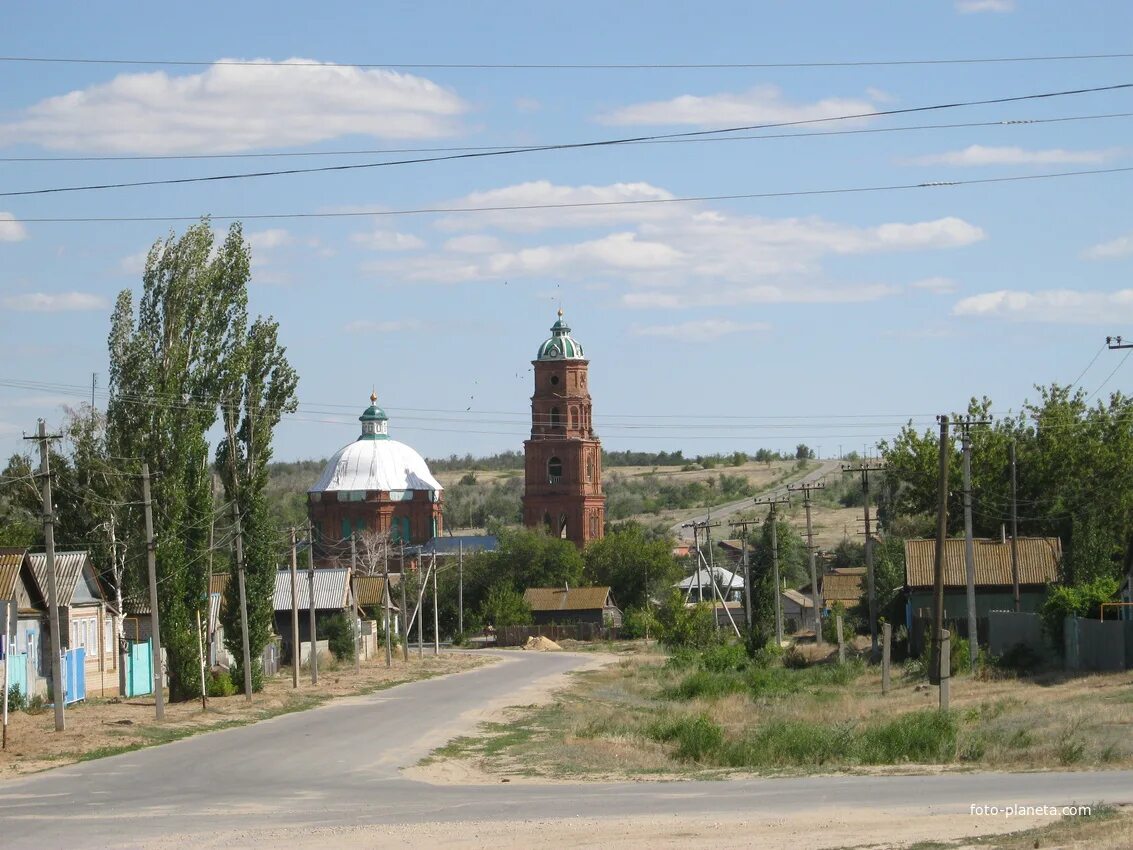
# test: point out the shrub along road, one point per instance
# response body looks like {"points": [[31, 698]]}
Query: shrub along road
{"points": [[333, 775]]}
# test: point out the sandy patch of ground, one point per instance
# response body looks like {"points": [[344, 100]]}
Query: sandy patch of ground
{"points": [[814, 830], [102, 727]]}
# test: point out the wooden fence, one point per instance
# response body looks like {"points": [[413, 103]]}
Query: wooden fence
{"points": [[518, 635]]}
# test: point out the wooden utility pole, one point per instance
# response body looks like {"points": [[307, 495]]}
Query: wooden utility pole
{"points": [[404, 613], [1114, 343], [460, 591], [9, 644], [969, 546], [201, 650], [436, 620], [314, 659], [386, 602], [886, 652], [773, 504], [815, 596], [43, 439], [864, 469], [354, 622], [295, 646], [938, 565], [151, 567], [1015, 535], [742, 525], [244, 645]]}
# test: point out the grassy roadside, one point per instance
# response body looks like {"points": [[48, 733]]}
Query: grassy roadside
{"points": [[100, 728], [716, 715], [1106, 828]]}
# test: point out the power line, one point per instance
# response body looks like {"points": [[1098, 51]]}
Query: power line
{"points": [[1101, 386], [575, 205], [561, 146], [571, 66], [1098, 354], [370, 151]]}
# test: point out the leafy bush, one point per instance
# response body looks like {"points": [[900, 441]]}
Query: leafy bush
{"points": [[795, 659], [638, 622], [705, 684], [220, 685], [340, 637], [17, 699], [927, 736], [724, 658], [686, 627], [1081, 600], [830, 625], [505, 607], [697, 737]]}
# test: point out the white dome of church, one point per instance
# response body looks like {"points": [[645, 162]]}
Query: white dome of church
{"points": [[375, 462]]}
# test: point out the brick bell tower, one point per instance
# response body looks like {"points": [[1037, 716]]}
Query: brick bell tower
{"points": [[563, 481]]}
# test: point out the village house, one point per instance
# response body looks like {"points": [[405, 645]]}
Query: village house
{"points": [[569, 605]]}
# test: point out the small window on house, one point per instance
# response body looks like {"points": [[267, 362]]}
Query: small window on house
{"points": [[554, 469]]}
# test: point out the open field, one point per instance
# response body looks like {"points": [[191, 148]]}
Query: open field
{"points": [[102, 727], [652, 717]]}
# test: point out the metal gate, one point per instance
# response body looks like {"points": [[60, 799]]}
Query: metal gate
{"points": [[139, 668], [74, 675], [18, 671]]}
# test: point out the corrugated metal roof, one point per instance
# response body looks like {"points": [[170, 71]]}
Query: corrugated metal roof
{"points": [[798, 598], [1038, 561], [842, 587], [68, 569], [332, 589], [218, 583], [10, 562], [724, 578], [370, 591], [566, 599]]}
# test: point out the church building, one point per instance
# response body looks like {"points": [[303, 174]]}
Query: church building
{"points": [[563, 458], [373, 484]]}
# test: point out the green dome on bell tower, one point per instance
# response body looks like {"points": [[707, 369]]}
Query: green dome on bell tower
{"points": [[561, 345]]}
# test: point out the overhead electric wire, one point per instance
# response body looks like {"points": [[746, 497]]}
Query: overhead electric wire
{"points": [[1101, 386], [562, 146], [1097, 354], [1011, 122], [798, 193], [571, 66]]}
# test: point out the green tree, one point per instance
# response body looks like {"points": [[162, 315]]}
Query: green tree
{"points": [[634, 566], [168, 361], [505, 606]]}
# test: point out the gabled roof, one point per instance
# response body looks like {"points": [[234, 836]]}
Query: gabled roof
{"points": [[332, 590], [842, 587], [567, 599], [69, 568], [724, 578], [11, 560], [1039, 558], [798, 598], [369, 591]]}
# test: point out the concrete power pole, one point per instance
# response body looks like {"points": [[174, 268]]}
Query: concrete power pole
{"points": [[404, 612], [43, 439], [247, 652], [1114, 343], [774, 503], [864, 469], [815, 596], [969, 546], [742, 525], [311, 603], [1015, 535], [295, 648], [151, 566], [355, 625], [386, 603], [938, 566]]}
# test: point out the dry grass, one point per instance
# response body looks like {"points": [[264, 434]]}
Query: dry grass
{"points": [[607, 724], [1106, 829], [105, 727]]}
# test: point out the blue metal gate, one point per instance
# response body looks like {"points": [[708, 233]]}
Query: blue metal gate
{"points": [[18, 671], [74, 675], [139, 668]]}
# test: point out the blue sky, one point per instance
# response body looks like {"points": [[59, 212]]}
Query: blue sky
{"points": [[711, 325]]}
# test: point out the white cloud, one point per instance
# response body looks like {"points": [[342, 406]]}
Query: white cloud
{"points": [[700, 330], [583, 213], [763, 104], [984, 155], [1065, 306], [527, 104], [44, 302], [1122, 246], [11, 230], [680, 254], [265, 240], [387, 240], [367, 326], [970, 7], [134, 264], [229, 108], [935, 285]]}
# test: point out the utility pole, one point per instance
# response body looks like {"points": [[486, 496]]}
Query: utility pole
{"points": [[42, 438], [1015, 535], [404, 613], [354, 617], [1114, 343], [385, 602], [742, 525], [151, 566], [773, 503], [864, 469], [815, 596], [314, 660], [969, 547], [460, 590], [295, 649], [247, 652], [938, 566], [436, 622]]}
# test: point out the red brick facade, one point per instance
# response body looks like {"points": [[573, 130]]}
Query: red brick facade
{"points": [[563, 480], [418, 520]]}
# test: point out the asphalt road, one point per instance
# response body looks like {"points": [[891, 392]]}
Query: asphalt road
{"points": [[339, 766], [722, 512]]}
